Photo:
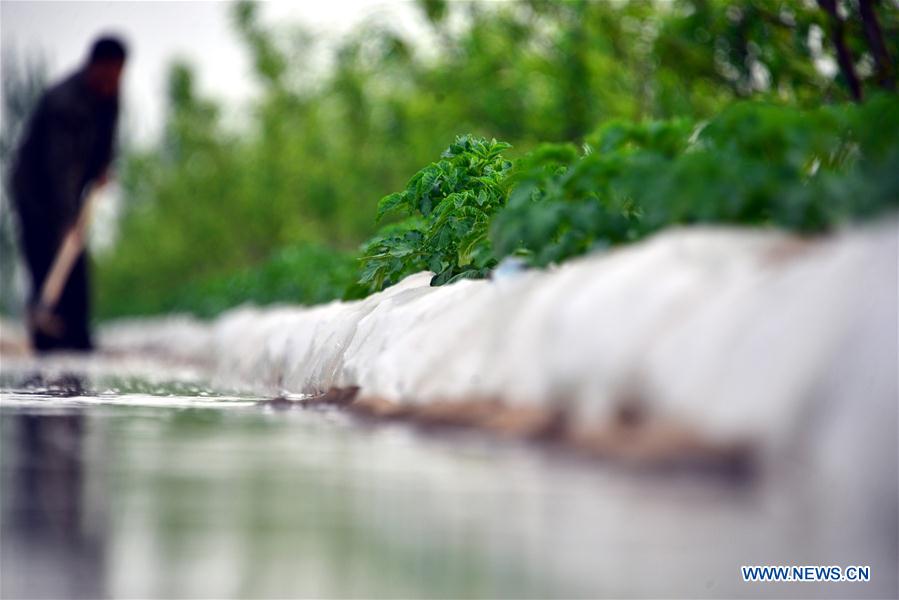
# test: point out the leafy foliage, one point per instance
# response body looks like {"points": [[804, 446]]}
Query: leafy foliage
{"points": [[299, 274], [217, 196], [448, 206], [754, 164]]}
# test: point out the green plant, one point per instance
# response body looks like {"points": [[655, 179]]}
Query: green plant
{"points": [[321, 138], [297, 274], [563, 203], [448, 206], [754, 164]]}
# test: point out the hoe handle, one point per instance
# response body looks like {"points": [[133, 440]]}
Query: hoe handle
{"points": [[68, 253]]}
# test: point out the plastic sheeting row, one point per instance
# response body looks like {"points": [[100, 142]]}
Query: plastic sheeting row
{"points": [[742, 334]]}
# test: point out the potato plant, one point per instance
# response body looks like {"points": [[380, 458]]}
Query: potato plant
{"points": [[754, 164], [447, 209]]}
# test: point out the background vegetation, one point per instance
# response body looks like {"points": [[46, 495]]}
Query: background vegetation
{"points": [[621, 117]]}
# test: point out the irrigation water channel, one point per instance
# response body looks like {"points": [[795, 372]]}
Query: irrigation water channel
{"points": [[135, 479]]}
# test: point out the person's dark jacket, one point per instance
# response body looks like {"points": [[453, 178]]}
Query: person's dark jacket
{"points": [[67, 144]]}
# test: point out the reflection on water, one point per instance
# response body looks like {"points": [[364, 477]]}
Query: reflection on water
{"points": [[49, 547], [141, 495], [164, 489]]}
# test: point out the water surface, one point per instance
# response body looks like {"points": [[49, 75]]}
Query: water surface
{"points": [[148, 483]]}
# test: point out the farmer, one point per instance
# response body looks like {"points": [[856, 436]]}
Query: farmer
{"points": [[66, 149]]}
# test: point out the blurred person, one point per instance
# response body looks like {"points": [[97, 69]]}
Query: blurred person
{"points": [[66, 151]]}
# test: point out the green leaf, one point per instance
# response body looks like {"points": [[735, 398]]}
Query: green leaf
{"points": [[389, 203]]}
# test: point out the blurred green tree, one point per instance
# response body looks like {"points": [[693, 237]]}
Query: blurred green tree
{"points": [[320, 147]]}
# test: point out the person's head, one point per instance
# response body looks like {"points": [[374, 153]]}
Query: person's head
{"points": [[104, 66]]}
